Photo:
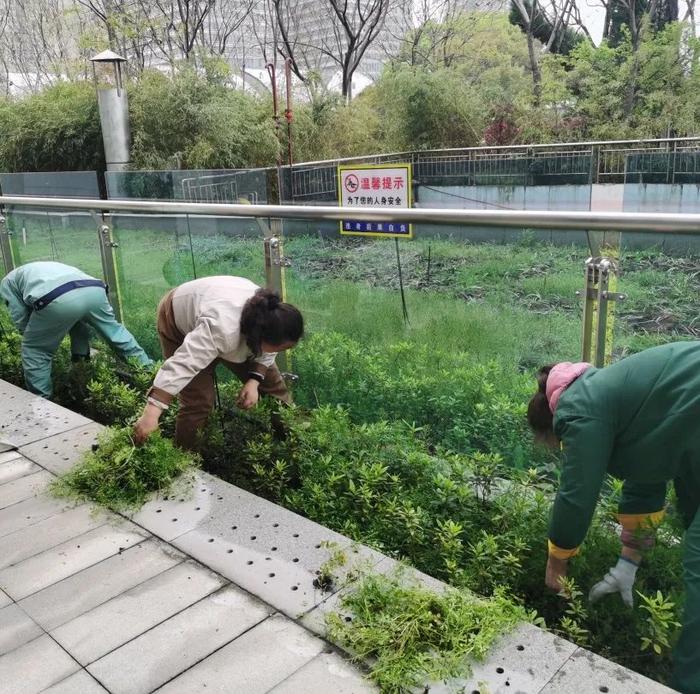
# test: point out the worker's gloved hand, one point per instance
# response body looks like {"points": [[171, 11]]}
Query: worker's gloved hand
{"points": [[620, 579]]}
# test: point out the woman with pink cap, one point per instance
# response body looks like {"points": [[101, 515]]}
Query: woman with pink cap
{"points": [[638, 420]]}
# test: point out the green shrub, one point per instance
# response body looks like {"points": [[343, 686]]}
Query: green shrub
{"points": [[216, 128], [57, 129]]}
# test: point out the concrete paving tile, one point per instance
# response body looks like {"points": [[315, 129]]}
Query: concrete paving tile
{"points": [[7, 456], [16, 628], [26, 418], [286, 586], [30, 511], [178, 643], [48, 533], [173, 515], [587, 673], [79, 683], [328, 672], [24, 488], [14, 469], [59, 453], [128, 615], [523, 661], [253, 663], [83, 591], [35, 666], [268, 550], [5, 599], [53, 565]]}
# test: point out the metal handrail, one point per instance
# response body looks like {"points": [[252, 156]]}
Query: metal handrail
{"points": [[645, 222]]}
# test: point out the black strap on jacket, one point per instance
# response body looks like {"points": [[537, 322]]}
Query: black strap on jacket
{"points": [[62, 289]]}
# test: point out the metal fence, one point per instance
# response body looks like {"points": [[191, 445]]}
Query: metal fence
{"points": [[624, 161]]}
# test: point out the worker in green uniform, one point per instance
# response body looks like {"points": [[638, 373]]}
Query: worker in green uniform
{"points": [[49, 300], [638, 420]]}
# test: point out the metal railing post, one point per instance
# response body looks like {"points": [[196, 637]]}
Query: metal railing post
{"points": [[275, 264], [6, 243], [109, 262], [588, 309], [598, 311]]}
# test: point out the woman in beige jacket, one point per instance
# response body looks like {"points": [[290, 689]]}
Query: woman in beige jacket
{"points": [[217, 320]]}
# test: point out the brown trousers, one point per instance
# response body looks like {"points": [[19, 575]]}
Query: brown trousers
{"points": [[196, 400]]}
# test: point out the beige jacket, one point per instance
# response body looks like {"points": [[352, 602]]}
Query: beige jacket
{"points": [[208, 312]]}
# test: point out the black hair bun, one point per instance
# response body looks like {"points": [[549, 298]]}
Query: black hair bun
{"points": [[273, 301]]}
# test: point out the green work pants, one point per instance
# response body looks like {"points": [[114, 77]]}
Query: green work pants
{"points": [[686, 657], [72, 313]]}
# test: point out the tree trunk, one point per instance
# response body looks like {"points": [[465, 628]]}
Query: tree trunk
{"points": [[535, 67]]}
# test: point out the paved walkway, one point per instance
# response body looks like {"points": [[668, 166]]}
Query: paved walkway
{"points": [[210, 590]]}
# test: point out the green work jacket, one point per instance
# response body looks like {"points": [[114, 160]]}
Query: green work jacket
{"points": [[638, 420]]}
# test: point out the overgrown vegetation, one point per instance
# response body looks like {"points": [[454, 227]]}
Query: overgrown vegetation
{"points": [[412, 635], [122, 476], [411, 438]]}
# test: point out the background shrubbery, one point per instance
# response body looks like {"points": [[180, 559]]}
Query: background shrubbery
{"points": [[476, 88]]}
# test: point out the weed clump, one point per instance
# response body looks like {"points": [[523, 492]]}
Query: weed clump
{"points": [[411, 636], [120, 475]]}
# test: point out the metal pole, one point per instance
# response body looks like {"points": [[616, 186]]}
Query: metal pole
{"points": [[275, 263], [271, 71], [601, 335], [288, 110], [588, 309], [6, 244], [109, 263], [599, 310]]}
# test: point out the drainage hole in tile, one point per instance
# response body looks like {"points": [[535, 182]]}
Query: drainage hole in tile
{"points": [[249, 562], [295, 587], [271, 575], [159, 510], [500, 670], [197, 508], [211, 539], [257, 515], [521, 648], [174, 520], [348, 619], [234, 527], [275, 525], [274, 549], [253, 537], [295, 535], [603, 689], [229, 551], [295, 560], [318, 546]]}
